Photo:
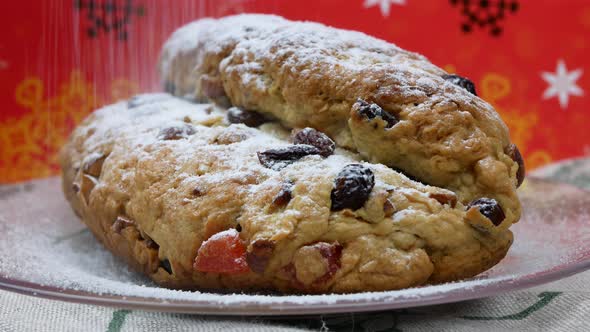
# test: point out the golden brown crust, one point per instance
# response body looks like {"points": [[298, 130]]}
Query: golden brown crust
{"points": [[153, 199], [310, 75]]}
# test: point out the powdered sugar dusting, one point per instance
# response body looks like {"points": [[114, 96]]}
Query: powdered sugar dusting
{"points": [[141, 126], [43, 243], [249, 42], [219, 236]]}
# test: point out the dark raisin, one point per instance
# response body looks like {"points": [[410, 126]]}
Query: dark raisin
{"points": [[176, 132], [445, 198], [249, 118], [260, 254], [165, 264], [315, 138], [120, 223], [463, 82], [284, 195], [514, 153], [238, 227], [490, 208], [75, 187], [280, 158], [148, 98], [352, 187], [372, 110]]}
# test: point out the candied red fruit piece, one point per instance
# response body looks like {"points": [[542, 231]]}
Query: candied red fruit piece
{"points": [[332, 253], [223, 252]]}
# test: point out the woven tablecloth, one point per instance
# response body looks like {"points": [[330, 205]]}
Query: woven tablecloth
{"points": [[559, 306]]}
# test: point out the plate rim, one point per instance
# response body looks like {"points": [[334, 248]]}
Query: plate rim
{"points": [[497, 287], [388, 300]]}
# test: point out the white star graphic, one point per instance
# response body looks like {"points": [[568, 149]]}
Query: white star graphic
{"points": [[562, 84], [385, 5]]}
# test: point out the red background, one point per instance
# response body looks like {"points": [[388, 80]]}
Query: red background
{"points": [[53, 73]]}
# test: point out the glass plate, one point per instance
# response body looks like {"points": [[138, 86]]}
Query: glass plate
{"points": [[46, 252]]}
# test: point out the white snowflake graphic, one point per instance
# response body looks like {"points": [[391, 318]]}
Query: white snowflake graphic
{"points": [[384, 5], [562, 84]]}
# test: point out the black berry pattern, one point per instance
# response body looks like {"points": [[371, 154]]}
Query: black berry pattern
{"points": [[109, 16], [485, 13]]}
